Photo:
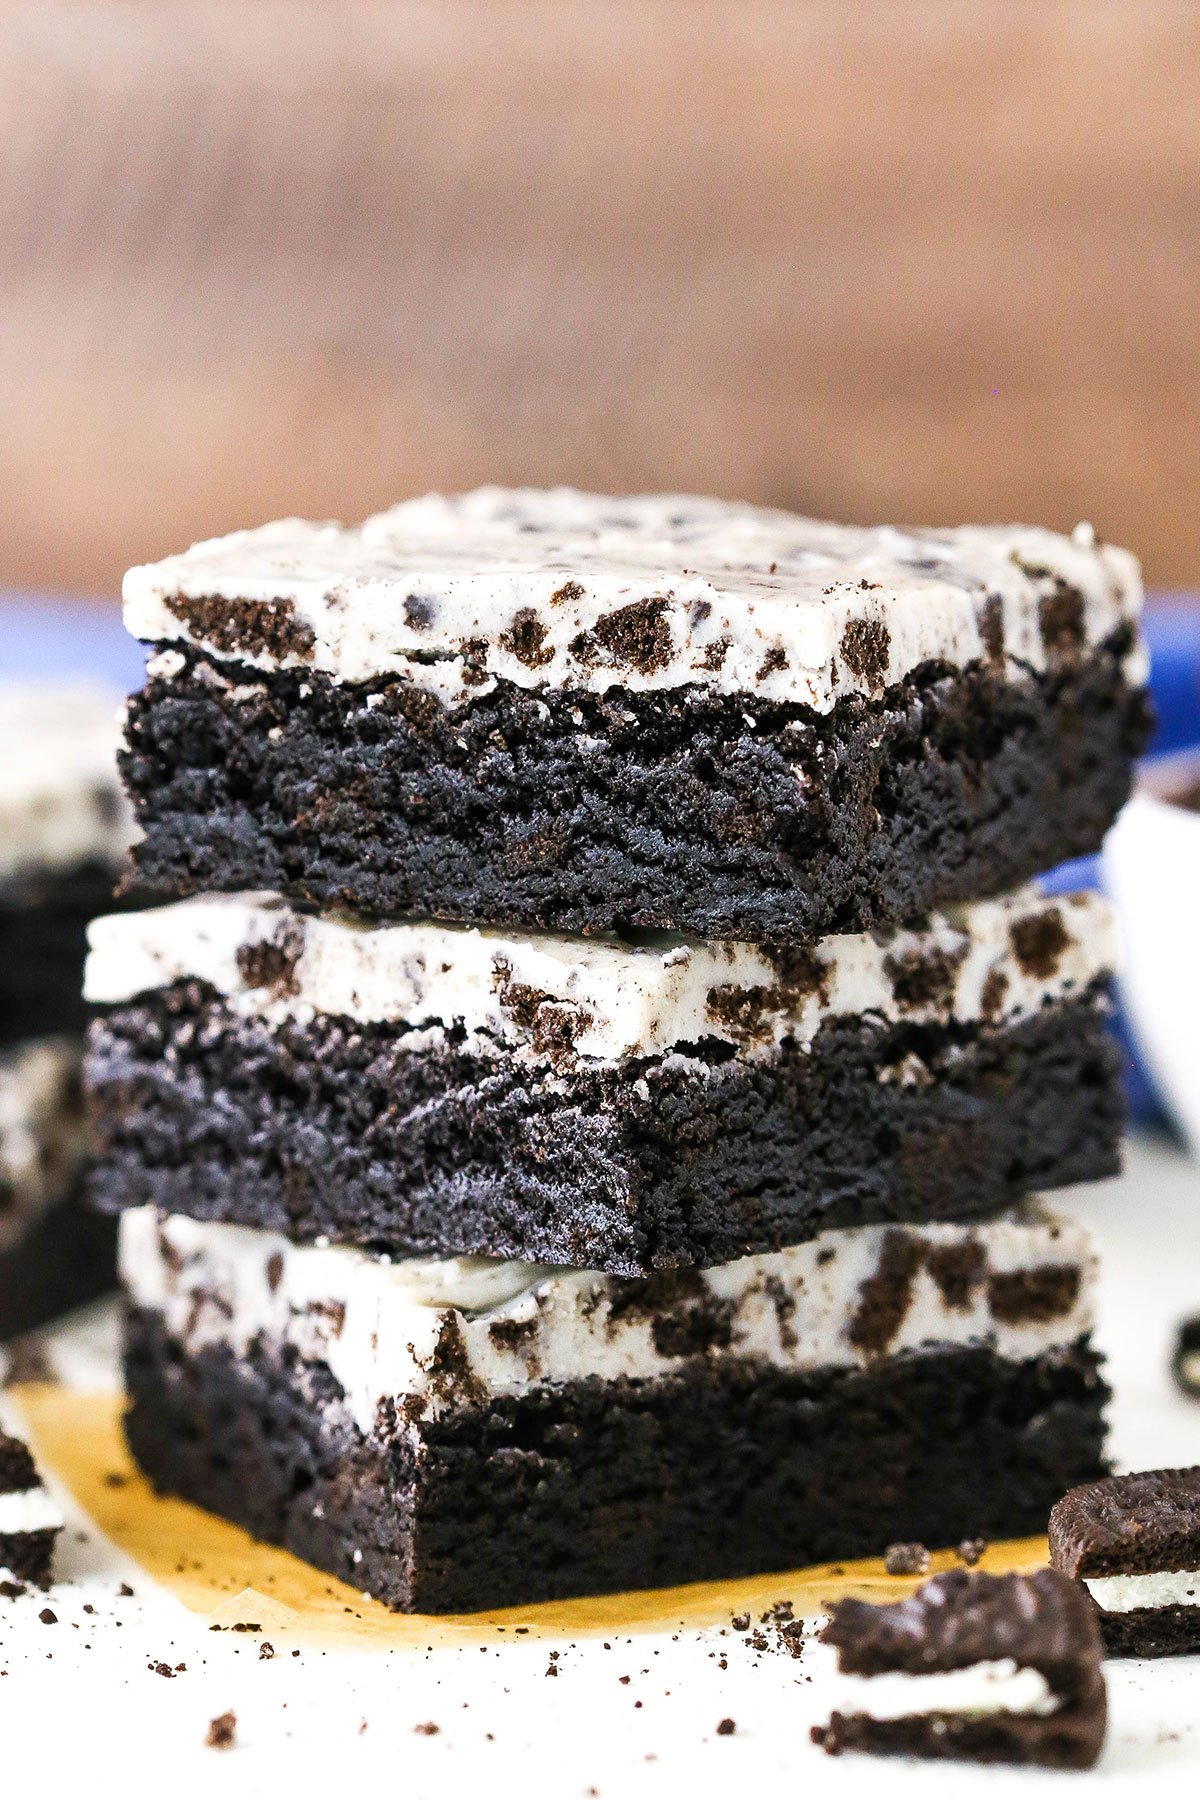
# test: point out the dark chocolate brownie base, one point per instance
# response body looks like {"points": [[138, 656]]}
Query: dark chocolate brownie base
{"points": [[1152, 1631], [598, 1486], [43, 943], [686, 810], [68, 1257], [28, 1555], [333, 1128], [1070, 1739]]}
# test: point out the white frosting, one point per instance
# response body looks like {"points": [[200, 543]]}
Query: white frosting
{"points": [[1161, 1587], [31, 1509], [377, 1323], [616, 1000], [60, 799], [41, 1130], [407, 593], [1001, 1686]]}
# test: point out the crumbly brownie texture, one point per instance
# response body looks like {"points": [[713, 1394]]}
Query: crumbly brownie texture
{"points": [[982, 1668], [1133, 1541], [30, 1520], [428, 1089], [566, 590], [54, 1251], [596, 1486], [339, 1130], [682, 810]]}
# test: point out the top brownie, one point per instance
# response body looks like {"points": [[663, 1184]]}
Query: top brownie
{"points": [[565, 711]]}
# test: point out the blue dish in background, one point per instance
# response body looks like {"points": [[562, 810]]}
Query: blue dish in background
{"points": [[42, 639]]}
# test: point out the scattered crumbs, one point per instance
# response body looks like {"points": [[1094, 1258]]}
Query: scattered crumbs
{"points": [[88, 1607], [47, 1617], [265, 1651], [906, 1559], [726, 1727], [971, 1550], [295, 1653], [552, 1668], [740, 1621], [162, 1668], [12, 1590], [125, 1591], [429, 1729], [624, 1680], [222, 1731], [244, 1625]]}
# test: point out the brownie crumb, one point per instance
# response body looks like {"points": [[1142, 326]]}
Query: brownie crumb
{"points": [[270, 963], [638, 635], [47, 1617], [162, 1668], [1038, 943], [1034, 1296], [971, 1550], [906, 1559], [259, 628], [125, 1591], [265, 1652], [12, 1590], [865, 647], [429, 1729], [222, 1731], [526, 639], [885, 1297], [726, 1727], [740, 1621]]}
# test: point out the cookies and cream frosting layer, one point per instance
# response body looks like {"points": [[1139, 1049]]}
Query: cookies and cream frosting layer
{"points": [[435, 1334], [557, 588], [41, 1130], [60, 799], [999, 1685], [599, 999], [1149, 1588]]}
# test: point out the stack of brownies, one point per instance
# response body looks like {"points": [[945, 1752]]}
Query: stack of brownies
{"points": [[581, 1129], [63, 835]]}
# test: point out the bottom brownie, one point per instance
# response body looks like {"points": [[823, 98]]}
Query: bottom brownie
{"points": [[594, 1485]]}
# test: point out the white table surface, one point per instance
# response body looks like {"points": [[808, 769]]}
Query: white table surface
{"points": [[80, 1703]]}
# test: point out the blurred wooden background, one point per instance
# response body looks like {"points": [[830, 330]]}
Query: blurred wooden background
{"points": [[925, 260]]}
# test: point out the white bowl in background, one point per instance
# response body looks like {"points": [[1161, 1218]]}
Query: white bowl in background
{"points": [[1151, 867]]}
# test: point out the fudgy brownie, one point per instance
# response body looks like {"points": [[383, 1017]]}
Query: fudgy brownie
{"points": [[55, 1252], [456, 1435], [1133, 1541], [982, 1668], [30, 1520], [64, 831], [569, 712], [622, 1106]]}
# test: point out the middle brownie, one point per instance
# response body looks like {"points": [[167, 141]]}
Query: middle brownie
{"points": [[431, 1089]]}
